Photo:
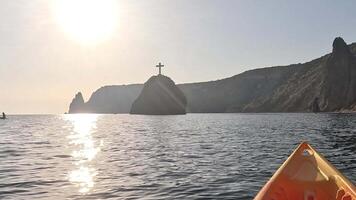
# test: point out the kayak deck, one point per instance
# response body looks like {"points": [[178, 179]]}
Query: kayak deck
{"points": [[307, 175]]}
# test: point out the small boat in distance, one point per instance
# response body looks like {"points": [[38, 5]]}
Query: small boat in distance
{"points": [[3, 116], [307, 175]]}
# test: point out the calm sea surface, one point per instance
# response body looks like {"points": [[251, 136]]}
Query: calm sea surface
{"points": [[196, 156]]}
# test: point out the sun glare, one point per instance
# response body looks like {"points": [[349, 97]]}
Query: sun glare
{"points": [[86, 21], [84, 150]]}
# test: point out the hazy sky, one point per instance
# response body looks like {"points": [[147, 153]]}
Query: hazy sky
{"points": [[42, 67]]}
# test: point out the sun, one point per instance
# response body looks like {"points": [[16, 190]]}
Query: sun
{"points": [[86, 21]]}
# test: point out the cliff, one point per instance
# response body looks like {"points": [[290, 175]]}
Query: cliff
{"points": [[111, 99], [327, 84], [339, 78], [329, 79], [159, 96], [77, 105]]}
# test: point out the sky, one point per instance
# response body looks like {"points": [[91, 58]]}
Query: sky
{"points": [[42, 65]]}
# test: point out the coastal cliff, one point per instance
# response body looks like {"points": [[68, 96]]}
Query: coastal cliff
{"points": [[77, 105], [113, 99], [159, 96], [325, 84], [338, 90]]}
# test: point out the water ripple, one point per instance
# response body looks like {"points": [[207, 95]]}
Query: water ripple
{"points": [[196, 156]]}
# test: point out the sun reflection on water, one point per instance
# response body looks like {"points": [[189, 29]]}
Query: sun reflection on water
{"points": [[84, 150]]}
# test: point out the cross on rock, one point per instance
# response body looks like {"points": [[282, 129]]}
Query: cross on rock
{"points": [[159, 67]]}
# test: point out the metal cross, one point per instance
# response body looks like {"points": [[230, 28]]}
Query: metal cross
{"points": [[159, 67]]}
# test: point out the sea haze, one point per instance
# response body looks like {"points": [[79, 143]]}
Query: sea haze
{"points": [[194, 156]]}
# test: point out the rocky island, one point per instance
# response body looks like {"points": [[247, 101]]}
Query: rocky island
{"points": [[77, 105], [325, 84], [160, 96]]}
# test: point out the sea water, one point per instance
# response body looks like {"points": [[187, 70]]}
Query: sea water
{"points": [[193, 156]]}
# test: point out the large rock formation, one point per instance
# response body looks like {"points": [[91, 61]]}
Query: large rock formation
{"points": [[331, 79], [293, 88], [112, 99], [339, 79], [77, 105], [160, 96]]}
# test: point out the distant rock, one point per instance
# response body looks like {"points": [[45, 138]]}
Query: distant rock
{"points": [[113, 99], [110, 99], [340, 47], [160, 96], [339, 78], [293, 88], [77, 105], [331, 78]]}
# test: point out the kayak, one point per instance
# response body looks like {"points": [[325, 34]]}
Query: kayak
{"points": [[307, 175]]}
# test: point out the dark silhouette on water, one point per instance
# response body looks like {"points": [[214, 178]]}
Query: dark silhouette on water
{"points": [[3, 116], [293, 88], [77, 105], [160, 96]]}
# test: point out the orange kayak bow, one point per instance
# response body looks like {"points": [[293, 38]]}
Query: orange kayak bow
{"points": [[307, 175]]}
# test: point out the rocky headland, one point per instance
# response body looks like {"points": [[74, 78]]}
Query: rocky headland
{"points": [[77, 105], [325, 84], [160, 96]]}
